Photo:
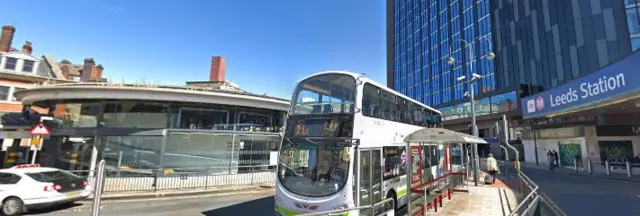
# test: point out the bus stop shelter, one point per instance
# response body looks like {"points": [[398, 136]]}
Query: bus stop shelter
{"points": [[428, 190]]}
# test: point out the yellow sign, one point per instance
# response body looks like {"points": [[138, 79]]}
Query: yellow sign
{"points": [[35, 141]]}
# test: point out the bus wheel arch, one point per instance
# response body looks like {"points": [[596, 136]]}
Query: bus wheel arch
{"points": [[392, 194]]}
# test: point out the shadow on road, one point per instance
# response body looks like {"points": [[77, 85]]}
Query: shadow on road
{"points": [[54, 208], [262, 206]]}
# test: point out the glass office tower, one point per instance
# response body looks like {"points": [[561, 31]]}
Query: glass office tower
{"points": [[547, 43], [423, 34]]}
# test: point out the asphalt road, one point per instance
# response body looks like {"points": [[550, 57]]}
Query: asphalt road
{"points": [[585, 195], [256, 203]]}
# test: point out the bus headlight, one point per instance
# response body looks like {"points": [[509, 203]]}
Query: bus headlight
{"points": [[277, 199]]}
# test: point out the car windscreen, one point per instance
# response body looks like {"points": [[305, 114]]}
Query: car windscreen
{"points": [[51, 176]]}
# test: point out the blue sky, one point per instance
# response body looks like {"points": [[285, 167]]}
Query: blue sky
{"points": [[268, 45]]}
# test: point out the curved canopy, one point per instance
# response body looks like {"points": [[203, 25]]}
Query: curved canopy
{"points": [[441, 135]]}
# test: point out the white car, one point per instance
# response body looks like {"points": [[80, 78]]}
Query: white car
{"points": [[30, 186]]}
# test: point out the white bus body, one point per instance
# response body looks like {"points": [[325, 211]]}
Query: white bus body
{"points": [[374, 138]]}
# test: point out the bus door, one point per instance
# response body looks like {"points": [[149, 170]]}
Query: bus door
{"points": [[370, 177]]}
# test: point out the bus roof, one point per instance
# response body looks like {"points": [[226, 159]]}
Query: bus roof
{"points": [[441, 135], [363, 78]]}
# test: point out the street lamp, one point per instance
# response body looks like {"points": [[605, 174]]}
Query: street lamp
{"points": [[474, 77]]}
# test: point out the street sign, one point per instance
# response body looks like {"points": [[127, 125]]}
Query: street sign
{"points": [[40, 130]]}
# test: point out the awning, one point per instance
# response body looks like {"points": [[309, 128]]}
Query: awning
{"points": [[441, 135]]}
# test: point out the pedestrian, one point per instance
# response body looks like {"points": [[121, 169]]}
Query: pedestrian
{"points": [[551, 160], [578, 160], [492, 167], [556, 158]]}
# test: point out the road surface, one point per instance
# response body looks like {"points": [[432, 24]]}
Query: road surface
{"points": [[585, 195], [256, 203]]}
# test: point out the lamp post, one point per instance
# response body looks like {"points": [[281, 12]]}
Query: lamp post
{"points": [[474, 77]]}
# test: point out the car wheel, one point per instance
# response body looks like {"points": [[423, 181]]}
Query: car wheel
{"points": [[12, 206]]}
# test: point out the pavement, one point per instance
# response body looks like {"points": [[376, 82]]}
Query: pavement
{"points": [[580, 194], [483, 200], [598, 172], [233, 204]]}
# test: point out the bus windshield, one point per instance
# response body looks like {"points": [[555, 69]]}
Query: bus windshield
{"points": [[315, 167], [327, 93]]}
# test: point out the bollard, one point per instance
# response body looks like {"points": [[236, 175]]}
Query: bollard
{"points": [[98, 186], [589, 166], [628, 169], [606, 166], [575, 164]]}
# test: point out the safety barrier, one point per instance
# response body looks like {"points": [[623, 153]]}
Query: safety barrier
{"points": [[153, 180], [385, 207], [609, 168], [528, 191]]}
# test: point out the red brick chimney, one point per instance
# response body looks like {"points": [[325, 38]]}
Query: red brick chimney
{"points": [[87, 67], [6, 38], [98, 75], [27, 48], [218, 66]]}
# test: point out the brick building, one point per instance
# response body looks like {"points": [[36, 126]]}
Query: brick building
{"points": [[21, 69]]}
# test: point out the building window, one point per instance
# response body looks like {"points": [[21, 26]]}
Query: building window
{"points": [[11, 63], [135, 115], [4, 92], [201, 119], [16, 89], [635, 43], [77, 115], [27, 66]]}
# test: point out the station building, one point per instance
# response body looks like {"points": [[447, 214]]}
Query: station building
{"points": [[202, 125], [596, 116]]}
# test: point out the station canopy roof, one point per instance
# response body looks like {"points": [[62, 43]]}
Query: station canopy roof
{"points": [[441, 135]]}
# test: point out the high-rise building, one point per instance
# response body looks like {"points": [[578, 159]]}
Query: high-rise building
{"points": [[423, 34], [421, 37], [565, 72], [539, 45]]}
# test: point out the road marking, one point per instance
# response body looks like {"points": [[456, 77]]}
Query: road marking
{"points": [[79, 208]]}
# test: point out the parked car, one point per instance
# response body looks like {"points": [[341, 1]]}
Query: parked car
{"points": [[29, 186]]}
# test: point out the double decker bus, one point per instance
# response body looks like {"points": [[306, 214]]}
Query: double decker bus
{"points": [[343, 145]]}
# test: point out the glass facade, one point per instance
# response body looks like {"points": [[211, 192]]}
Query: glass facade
{"points": [[425, 34], [160, 136], [501, 103], [547, 43], [633, 22]]}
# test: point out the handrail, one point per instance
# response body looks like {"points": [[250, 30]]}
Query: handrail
{"points": [[353, 208], [532, 195]]}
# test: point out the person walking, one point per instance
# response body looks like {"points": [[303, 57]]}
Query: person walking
{"points": [[556, 158], [492, 167], [551, 160]]}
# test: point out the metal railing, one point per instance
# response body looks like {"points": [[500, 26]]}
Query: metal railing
{"points": [[609, 168], [528, 190], [153, 180], [385, 207]]}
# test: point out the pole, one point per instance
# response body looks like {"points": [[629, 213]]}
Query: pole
{"points": [[409, 177], [506, 136], [97, 189], [35, 150], [474, 128], [535, 143]]}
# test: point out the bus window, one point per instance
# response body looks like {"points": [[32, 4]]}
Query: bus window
{"points": [[326, 93], [371, 101], [394, 161]]}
